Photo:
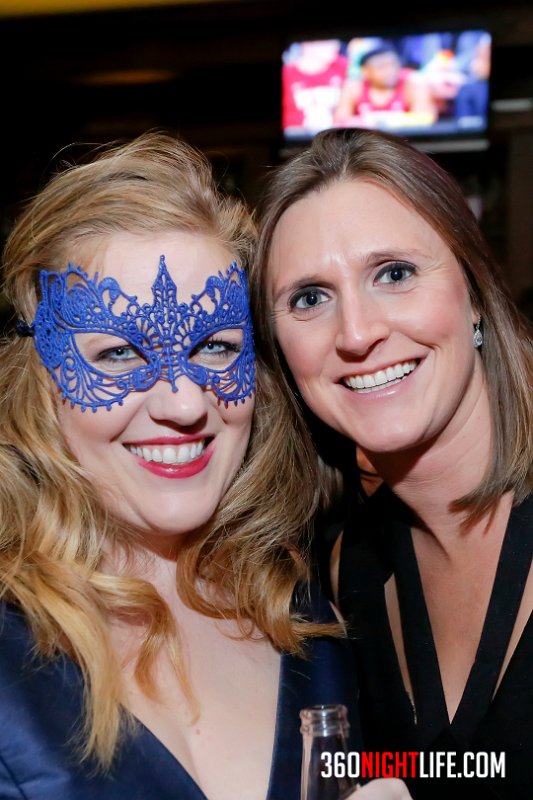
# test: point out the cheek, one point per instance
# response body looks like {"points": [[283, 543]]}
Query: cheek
{"points": [[445, 314], [239, 417], [84, 431], [302, 346]]}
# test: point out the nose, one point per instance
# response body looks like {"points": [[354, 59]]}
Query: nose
{"points": [[362, 324], [187, 406]]}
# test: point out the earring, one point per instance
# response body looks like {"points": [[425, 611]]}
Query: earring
{"points": [[478, 336]]}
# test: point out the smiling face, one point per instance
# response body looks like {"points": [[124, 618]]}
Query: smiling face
{"points": [[373, 316], [163, 459]]}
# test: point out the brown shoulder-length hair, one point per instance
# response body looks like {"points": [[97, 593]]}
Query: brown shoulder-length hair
{"points": [[420, 183], [52, 521]]}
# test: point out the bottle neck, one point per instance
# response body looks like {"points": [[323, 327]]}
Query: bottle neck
{"points": [[325, 720], [325, 745]]}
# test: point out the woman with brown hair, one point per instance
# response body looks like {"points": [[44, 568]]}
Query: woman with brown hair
{"points": [[376, 294]]}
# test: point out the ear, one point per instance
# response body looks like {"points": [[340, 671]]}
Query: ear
{"points": [[475, 315]]}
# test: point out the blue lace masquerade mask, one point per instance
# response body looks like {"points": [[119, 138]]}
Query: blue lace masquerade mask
{"points": [[99, 344]]}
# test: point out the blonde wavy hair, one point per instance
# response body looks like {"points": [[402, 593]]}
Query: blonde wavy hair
{"points": [[421, 184], [53, 523]]}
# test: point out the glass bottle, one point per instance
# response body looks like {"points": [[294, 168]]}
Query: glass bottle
{"points": [[325, 775]]}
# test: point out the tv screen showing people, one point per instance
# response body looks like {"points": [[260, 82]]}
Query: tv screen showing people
{"points": [[425, 84]]}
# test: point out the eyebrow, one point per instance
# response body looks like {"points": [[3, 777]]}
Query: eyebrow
{"points": [[305, 280]]}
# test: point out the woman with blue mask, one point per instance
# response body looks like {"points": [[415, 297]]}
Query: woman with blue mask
{"points": [[157, 636]]}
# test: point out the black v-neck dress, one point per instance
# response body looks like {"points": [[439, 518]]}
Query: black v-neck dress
{"points": [[377, 543]]}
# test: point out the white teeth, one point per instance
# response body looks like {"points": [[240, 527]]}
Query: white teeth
{"points": [[390, 374], [184, 454], [196, 449], [169, 454]]}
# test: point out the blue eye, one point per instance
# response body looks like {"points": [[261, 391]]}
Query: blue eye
{"points": [[395, 273], [119, 360], [109, 354], [218, 347], [219, 351], [123, 353], [307, 298]]}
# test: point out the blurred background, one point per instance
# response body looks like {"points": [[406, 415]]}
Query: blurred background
{"points": [[80, 72]]}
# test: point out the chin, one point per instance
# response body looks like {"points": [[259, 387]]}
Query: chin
{"points": [[167, 528], [171, 523], [391, 442]]}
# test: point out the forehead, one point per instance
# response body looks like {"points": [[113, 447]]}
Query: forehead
{"points": [[133, 260], [350, 219]]}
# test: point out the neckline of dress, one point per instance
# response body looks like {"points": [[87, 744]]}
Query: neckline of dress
{"points": [[506, 594], [175, 764]]}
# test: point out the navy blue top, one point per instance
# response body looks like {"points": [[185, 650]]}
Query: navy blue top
{"points": [[41, 704]]}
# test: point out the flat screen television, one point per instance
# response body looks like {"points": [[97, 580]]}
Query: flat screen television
{"points": [[433, 85]]}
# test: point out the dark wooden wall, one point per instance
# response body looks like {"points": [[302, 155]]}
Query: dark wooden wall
{"points": [[219, 66]]}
